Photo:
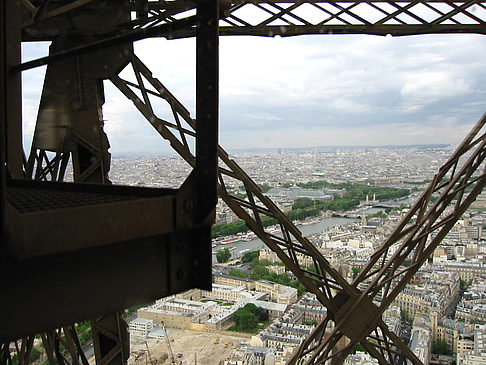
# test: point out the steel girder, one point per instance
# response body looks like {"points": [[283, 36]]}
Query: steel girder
{"points": [[143, 91], [290, 18], [174, 261], [282, 17], [61, 346], [351, 312]]}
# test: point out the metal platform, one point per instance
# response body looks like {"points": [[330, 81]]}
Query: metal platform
{"points": [[118, 247], [90, 215]]}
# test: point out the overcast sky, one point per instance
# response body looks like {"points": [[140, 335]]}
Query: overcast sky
{"points": [[306, 91]]}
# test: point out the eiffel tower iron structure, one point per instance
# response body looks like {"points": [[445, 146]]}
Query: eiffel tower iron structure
{"points": [[72, 252]]}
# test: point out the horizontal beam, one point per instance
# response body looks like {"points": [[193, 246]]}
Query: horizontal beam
{"points": [[46, 292], [164, 30], [45, 218], [382, 30]]}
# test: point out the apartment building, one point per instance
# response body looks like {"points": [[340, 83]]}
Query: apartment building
{"points": [[473, 354], [466, 271], [450, 330], [436, 291]]}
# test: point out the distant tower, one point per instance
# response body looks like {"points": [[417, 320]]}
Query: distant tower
{"points": [[367, 199], [374, 197]]}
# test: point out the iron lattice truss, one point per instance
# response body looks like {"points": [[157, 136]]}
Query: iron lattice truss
{"points": [[354, 309], [353, 315], [289, 18], [283, 18]]}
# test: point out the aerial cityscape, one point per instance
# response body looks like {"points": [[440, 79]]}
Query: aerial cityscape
{"points": [[258, 313], [344, 223]]}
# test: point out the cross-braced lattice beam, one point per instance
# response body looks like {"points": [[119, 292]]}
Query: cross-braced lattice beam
{"points": [[289, 18], [346, 303], [45, 19], [61, 346], [454, 188]]}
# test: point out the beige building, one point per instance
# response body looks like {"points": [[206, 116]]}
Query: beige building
{"points": [[466, 271], [140, 327], [420, 344], [277, 269], [471, 313], [432, 291], [306, 311], [472, 349], [231, 294], [234, 281], [278, 293], [182, 313], [449, 330], [274, 310]]}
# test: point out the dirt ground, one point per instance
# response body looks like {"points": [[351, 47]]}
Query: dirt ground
{"points": [[189, 347]]}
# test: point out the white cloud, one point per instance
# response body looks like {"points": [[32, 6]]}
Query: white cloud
{"points": [[432, 86], [337, 89]]}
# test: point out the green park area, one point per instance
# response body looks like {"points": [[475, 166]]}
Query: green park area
{"points": [[348, 199]]}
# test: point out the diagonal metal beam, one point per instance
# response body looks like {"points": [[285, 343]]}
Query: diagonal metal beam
{"points": [[326, 282]]}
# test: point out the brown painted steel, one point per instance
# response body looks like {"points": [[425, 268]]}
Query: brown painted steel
{"points": [[48, 291], [207, 109], [3, 118], [326, 281], [50, 218], [335, 337], [13, 105]]}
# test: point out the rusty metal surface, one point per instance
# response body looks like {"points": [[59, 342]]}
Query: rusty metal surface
{"points": [[110, 339], [84, 251], [285, 18], [70, 117]]}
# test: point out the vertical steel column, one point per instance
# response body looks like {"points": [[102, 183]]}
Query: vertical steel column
{"points": [[13, 108], [207, 108], [3, 114]]}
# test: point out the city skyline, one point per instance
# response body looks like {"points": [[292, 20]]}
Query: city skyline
{"points": [[308, 91]]}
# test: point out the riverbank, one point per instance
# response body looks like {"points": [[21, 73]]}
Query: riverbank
{"points": [[239, 246]]}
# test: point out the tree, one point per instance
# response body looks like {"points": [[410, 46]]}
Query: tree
{"points": [[404, 315], [247, 317], [238, 273], [356, 271], [440, 348], [359, 348], [259, 272], [283, 278], [223, 256], [249, 256], [247, 320], [301, 203], [301, 289]]}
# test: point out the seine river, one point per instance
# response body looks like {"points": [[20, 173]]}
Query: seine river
{"points": [[256, 244]]}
